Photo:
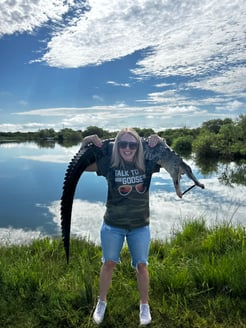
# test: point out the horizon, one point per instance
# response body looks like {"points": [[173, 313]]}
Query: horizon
{"points": [[112, 131]]}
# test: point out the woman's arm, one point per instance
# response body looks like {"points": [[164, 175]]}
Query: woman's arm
{"points": [[91, 168], [92, 139]]}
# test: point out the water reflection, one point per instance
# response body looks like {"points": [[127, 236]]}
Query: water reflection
{"points": [[230, 174], [31, 180]]}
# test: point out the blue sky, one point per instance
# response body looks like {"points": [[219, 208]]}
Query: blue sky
{"points": [[112, 63]]}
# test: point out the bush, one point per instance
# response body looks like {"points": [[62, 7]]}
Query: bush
{"points": [[183, 145], [204, 146]]}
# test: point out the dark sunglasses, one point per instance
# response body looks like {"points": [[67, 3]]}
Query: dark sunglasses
{"points": [[132, 145]]}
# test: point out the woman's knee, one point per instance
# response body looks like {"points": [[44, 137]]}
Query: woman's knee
{"points": [[109, 265], [142, 268]]}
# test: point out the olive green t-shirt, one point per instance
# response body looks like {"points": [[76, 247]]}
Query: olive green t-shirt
{"points": [[128, 194]]}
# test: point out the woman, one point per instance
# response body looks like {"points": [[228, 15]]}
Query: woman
{"points": [[127, 213]]}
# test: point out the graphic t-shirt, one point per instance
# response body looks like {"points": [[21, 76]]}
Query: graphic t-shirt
{"points": [[128, 194]]}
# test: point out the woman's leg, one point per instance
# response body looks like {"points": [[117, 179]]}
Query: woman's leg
{"points": [[112, 240], [143, 282], [138, 242], [105, 279]]}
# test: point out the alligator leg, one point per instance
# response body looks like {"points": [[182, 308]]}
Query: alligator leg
{"points": [[172, 163], [176, 169]]}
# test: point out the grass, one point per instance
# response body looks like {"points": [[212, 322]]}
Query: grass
{"points": [[198, 279]]}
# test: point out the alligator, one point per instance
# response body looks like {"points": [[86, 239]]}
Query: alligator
{"points": [[161, 153]]}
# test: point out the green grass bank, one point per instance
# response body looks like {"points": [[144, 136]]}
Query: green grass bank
{"points": [[198, 279]]}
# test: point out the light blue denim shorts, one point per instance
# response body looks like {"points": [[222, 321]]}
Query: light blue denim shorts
{"points": [[138, 241]]}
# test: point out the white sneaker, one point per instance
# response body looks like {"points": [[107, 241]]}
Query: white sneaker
{"points": [[144, 315], [98, 314]]}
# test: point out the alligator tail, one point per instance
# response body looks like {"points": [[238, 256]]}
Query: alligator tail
{"points": [[83, 158]]}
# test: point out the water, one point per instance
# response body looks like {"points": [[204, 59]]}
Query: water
{"points": [[31, 180]]}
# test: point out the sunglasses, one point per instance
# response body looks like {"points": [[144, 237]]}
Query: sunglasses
{"points": [[132, 145], [125, 190]]}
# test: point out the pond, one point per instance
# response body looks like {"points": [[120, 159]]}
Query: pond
{"points": [[31, 180]]}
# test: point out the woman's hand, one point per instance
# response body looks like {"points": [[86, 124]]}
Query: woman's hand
{"points": [[154, 139], [92, 139]]}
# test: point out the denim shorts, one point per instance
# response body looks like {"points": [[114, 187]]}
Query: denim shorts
{"points": [[138, 241]]}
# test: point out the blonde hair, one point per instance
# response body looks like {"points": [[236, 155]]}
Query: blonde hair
{"points": [[117, 161]]}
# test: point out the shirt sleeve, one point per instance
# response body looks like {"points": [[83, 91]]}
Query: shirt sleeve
{"points": [[103, 165], [156, 168]]}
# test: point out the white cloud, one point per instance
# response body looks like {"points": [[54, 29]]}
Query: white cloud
{"points": [[26, 127], [61, 111], [10, 236], [47, 158], [200, 40], [161, 85], [114, 117], [26, 16], [98, 98], [158, 117], [86, 218], [57, 154], [227, 82], [23, 103], [14, 145], [185, 37], [117, 84]]}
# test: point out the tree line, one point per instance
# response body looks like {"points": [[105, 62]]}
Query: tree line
{"points": [[220, 139]]}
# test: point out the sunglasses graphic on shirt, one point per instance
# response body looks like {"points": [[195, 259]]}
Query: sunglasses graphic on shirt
{"points": [[125, 190]]}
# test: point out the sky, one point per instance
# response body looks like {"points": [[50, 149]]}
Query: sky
{"points": [[113, 63]]}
